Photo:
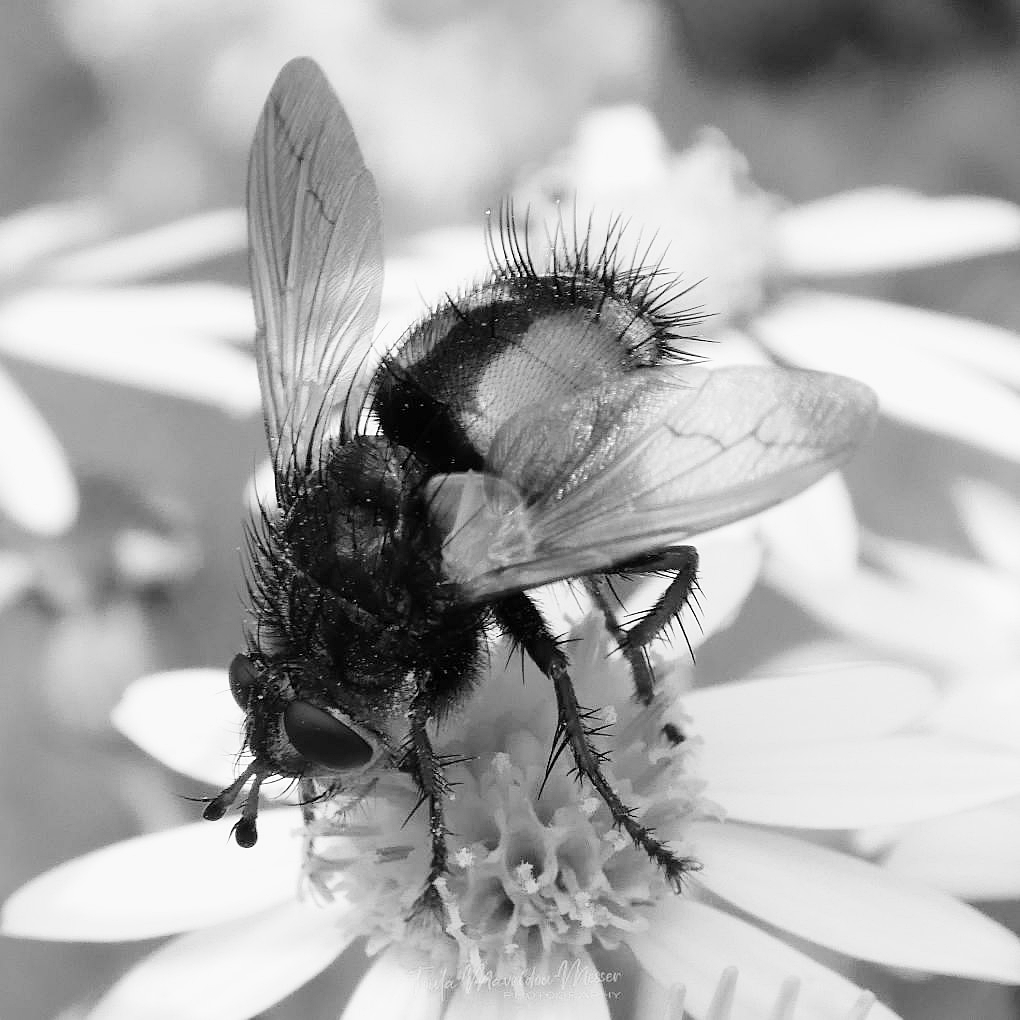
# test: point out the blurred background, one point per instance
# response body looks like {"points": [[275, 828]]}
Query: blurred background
{"points": [[121, 117]]}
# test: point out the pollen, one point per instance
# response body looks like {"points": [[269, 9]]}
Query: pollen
{"points": [[537, 870]]}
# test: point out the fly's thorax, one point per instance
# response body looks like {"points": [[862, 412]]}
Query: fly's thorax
{"points": [[358, 529]]}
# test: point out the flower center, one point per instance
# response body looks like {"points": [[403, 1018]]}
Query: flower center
{"points": [[537, 871]]}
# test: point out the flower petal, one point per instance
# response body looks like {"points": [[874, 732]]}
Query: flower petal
{"points": [[985, 349], [32, 234], [970, 581], [391, 990], [890, 347], [922, 605], [58, 329], [985, 709], [616, 149], [159, 884], [162, 249], [850, 784], [973, 854], [852, 906], [816, 703], [877, 229], [569, 988], [991, 517], [731, 346], [668, 1003], [232, 971], [812, 535], [692, 943], [37, 490], [156, 710], [199, 309]]}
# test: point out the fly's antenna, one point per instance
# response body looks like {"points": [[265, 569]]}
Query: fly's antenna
{"points": [[245, 831]]}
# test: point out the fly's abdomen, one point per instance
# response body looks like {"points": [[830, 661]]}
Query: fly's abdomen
{"points": [[480, 359]]}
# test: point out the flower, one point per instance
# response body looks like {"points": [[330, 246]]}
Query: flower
{"points": [[826, 751], [439, 109], [755, 256], [540, 878], [64, 304], [80, 307], [909, 588], [71, 299], [954, 381], [972, 854]]}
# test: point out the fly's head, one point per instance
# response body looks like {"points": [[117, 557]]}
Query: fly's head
{"points": [[295, 728]]}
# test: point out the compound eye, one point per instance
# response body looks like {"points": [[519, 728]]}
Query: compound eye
{"points": [[319, 737], [242, 676]]}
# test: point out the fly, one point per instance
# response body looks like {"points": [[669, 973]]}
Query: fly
{"points": [[541, 426]]}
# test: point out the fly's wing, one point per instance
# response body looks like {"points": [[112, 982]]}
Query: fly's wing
{"points": [[315, 255], [639, 464]]}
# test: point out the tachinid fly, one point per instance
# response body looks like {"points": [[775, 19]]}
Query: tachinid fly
{"points": [[541, 426]]}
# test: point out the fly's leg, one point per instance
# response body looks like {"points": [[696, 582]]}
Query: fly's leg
{"points": [[427, 771], [308, 799], [521, 619], [682, 562], [599, 588]]}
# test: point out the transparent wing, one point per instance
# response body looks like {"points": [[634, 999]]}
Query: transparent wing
{"points": [[639, 464], [315, 260]]}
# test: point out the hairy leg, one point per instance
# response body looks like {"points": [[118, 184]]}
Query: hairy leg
{"points": [[633, 640], [427, 770], [523, 622]]}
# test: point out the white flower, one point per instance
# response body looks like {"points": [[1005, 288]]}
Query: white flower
{"points": [[439, 110], [751, 256], [945, 377], [63, 305], [973, 854], [80, 308], [539, 880]]}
